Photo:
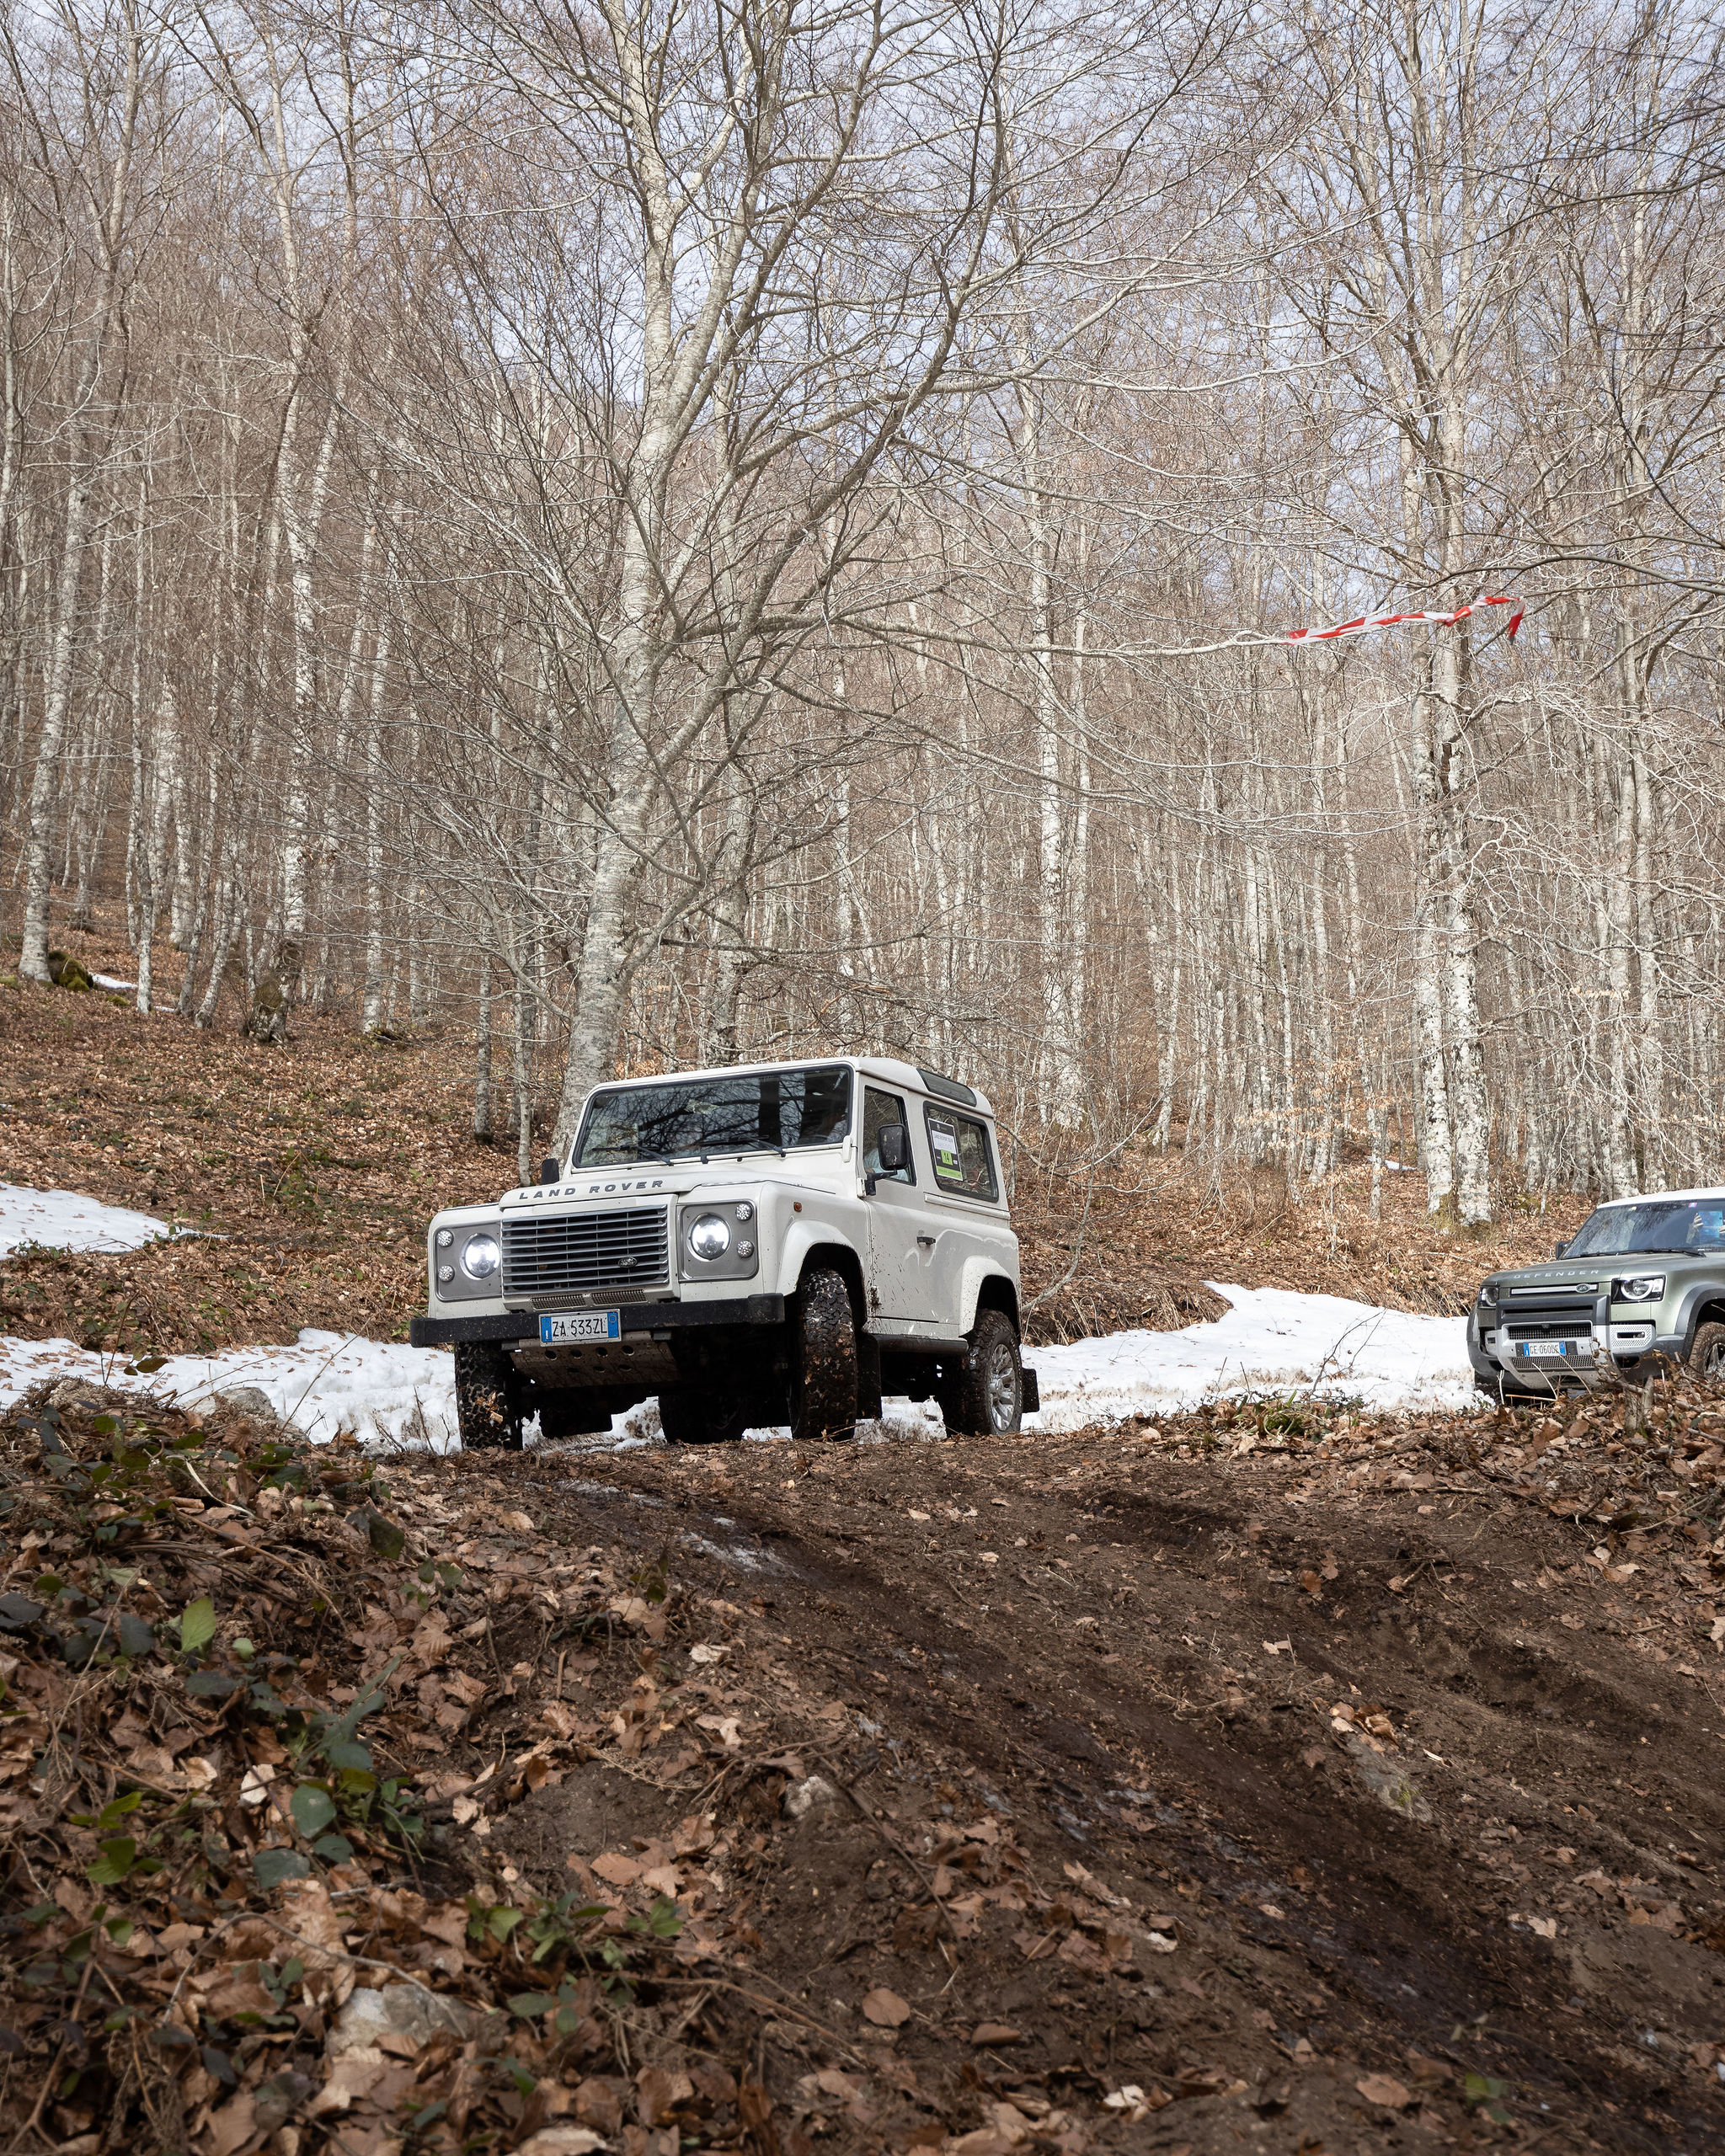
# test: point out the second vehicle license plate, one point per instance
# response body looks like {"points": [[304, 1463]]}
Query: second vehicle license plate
{"points": [[572, 1325], [1543, 1347]]}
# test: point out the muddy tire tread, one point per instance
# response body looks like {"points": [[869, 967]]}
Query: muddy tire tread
{"points": [[1709, 1347], [487, 1408], [824, 1360]]}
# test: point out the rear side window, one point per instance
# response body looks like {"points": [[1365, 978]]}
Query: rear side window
{"points": [[964, 1159]]}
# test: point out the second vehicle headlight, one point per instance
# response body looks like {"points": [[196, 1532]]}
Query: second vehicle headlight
{"points": [[1488, 1295], [1642, 1288], [709, 1237], [481, 1257]]}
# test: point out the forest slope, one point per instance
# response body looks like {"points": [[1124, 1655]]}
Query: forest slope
{"points": [[313, 1168]]}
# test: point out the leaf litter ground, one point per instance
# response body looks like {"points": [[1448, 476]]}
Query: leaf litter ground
{"points": [[1260, 1780], [309, 1173]]}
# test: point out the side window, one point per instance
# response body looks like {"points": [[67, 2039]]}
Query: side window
{"points": [[877, 1109], [964, 1159]]}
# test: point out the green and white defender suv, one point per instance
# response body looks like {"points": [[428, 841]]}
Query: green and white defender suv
{"points": [[780, 1243], [1642, 1284]]}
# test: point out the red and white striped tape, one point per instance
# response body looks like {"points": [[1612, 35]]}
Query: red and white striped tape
{"points": [[1368, 622]]}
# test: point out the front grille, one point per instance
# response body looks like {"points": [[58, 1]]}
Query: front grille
{"points": [[1551, 1316], [554, 1257]]}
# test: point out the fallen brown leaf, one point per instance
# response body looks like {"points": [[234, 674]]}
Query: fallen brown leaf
{"points": [[885, 2008]]}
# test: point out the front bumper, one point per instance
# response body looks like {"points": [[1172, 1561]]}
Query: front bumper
{"points": [[647, 1318], [1613, 1349]]}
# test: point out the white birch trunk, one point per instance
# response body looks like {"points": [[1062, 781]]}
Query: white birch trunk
{"points": [[90, 429]]}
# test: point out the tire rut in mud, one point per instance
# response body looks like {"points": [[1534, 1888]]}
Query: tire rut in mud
{"points": [[1163, 1735]]}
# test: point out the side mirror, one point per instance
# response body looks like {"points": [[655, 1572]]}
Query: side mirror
{"points": [[892, 1145], [1558, 1249], [551, 1169]]}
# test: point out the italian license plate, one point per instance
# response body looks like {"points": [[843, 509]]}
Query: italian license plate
{"points": [[1537, 1350], [571, 1327]]}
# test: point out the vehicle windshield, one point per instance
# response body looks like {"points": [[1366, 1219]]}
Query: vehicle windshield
{"points": [[755, 1111], [1663, 1224]]}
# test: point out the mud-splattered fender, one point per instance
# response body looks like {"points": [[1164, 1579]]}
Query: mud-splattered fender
{"points": [[804, 1234], [976, 1271]]}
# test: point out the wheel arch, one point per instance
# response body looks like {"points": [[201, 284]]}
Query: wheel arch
{"points": [[1703, 1304], [840, 1259], [987, 1286]]}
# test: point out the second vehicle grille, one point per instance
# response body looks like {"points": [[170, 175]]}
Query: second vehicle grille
{"points": [[568, 1254], [1550, 1315]]}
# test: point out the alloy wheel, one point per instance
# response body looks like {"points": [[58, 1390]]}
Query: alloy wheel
{"points": [[1001, 1389]]}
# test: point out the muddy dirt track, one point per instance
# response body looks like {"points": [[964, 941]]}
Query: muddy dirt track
{"points": [[1426, 1799]]}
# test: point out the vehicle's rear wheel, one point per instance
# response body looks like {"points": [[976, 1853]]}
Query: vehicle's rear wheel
{"points": [[1706, 1358], [567, 1414], [987, 1398], [823, 1359], [488, 1400], [698, 1415]]}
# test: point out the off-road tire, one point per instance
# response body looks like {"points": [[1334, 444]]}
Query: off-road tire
{"points": [[1706, 1358], [868, 1399], [488, 1404], [987, 1400], [823, 1390], [697, 1415]]}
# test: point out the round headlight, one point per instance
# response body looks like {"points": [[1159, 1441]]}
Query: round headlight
{"points": [[1642, 1288], [709, 1237], [1488, 1292], [481, 1257]]}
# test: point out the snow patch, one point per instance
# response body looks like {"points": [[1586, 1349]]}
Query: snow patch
{"points": [[1270, 1340], [323, 1383], [60, 1219]]}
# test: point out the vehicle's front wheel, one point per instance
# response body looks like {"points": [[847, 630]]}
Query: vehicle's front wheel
{"points": [[488, 1406], [987, 1398], [823, 1359], [1706, 1358], [696, 1415]]}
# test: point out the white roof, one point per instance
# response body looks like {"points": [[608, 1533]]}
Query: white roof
{"points": [[1660, 1196]]}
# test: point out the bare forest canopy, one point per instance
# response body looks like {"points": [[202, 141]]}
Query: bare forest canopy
{"points": [[648, 531]]}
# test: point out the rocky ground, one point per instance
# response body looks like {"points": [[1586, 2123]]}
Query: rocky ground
{"points": [[1258, 1781]]}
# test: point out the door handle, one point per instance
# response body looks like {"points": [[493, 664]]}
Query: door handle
{"points": [[927, 1241]]}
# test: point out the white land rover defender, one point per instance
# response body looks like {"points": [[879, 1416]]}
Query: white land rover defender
{"points": [[780, 1243]]}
